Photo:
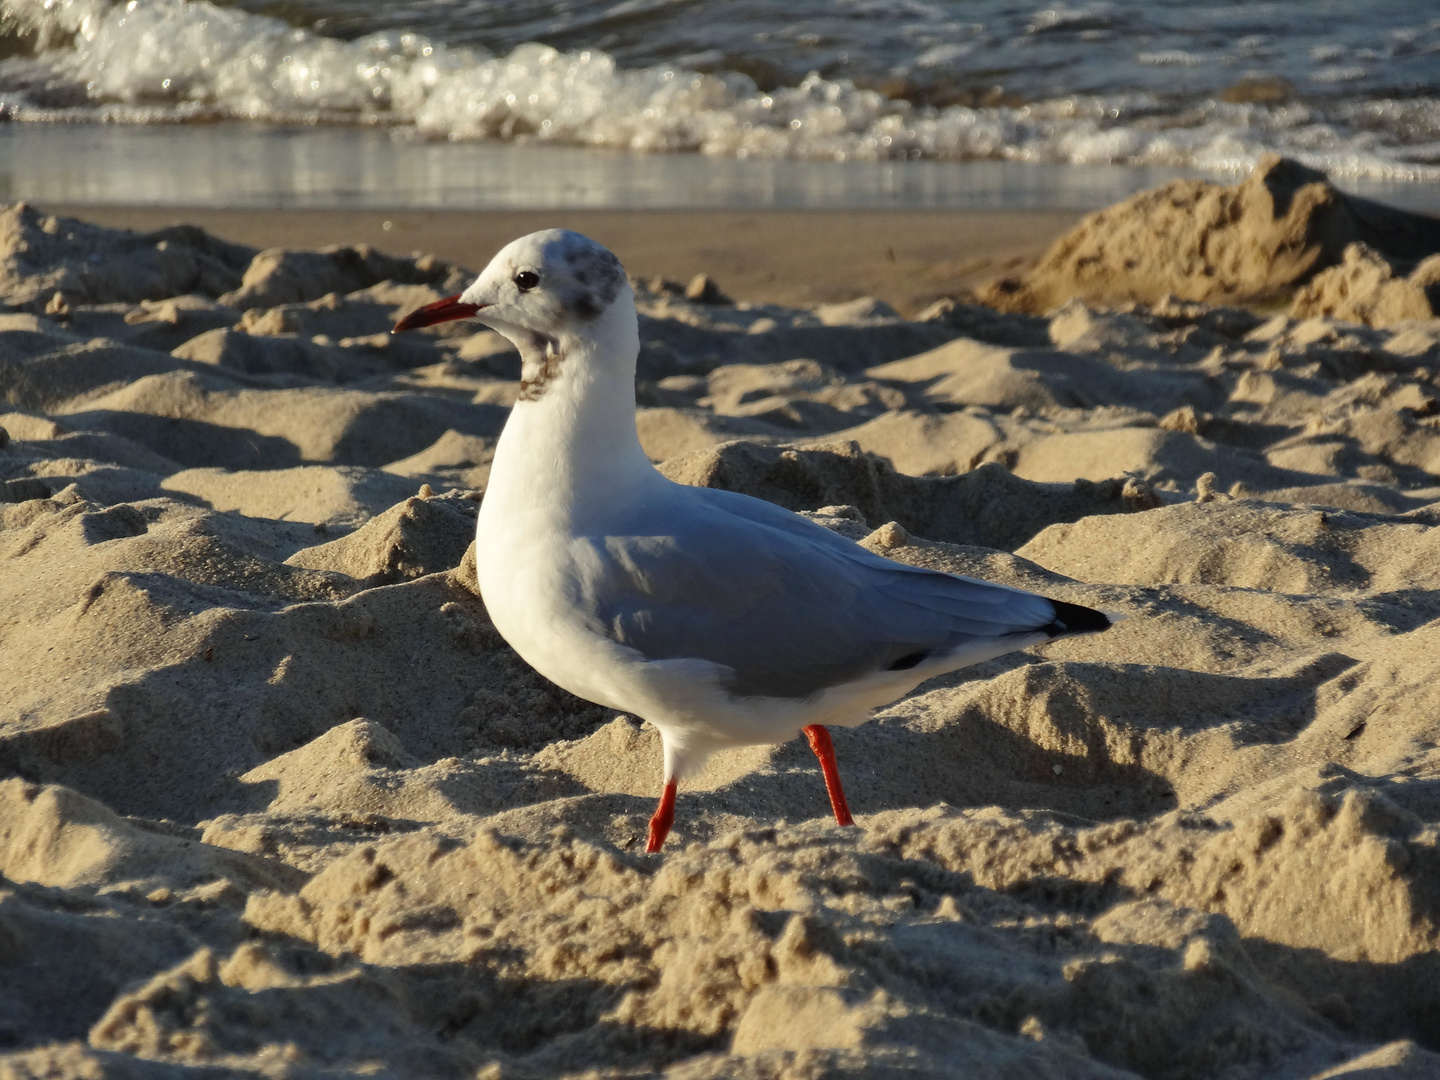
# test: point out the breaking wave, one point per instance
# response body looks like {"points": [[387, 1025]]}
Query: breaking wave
{"points": [[171, 61]]}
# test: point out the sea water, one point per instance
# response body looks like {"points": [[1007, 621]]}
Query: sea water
{"points": [[735, 103]]}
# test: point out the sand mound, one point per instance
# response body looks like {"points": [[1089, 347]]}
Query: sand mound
{"points": [[678, 336], [280, 276], [278, 800], [1248, 544], [1369, 288], [41, 255], [988, 506], [799, 394], [411, 539], [1200, 241]]}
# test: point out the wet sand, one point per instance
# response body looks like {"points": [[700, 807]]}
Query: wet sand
{"points": [[907, 257]]}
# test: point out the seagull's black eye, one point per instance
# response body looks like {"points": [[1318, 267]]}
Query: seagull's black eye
{"points": [[526, 280]]}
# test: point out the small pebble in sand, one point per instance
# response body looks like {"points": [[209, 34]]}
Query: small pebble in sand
{"points": [[58, 307]]}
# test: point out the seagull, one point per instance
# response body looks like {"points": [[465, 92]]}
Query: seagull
{"points": [[722, 619]]}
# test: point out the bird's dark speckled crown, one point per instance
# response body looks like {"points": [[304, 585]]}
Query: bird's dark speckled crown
{"points": [[595, 275]]}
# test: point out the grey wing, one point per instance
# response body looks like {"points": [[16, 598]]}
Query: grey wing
{"points": [[789, 612]]}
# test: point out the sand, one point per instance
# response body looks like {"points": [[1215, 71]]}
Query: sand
{"points": [[1284, 226], [278, 801], [908, 258]]}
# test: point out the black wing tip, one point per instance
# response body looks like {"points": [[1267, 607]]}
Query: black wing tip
{"points": [[1075, 619]]}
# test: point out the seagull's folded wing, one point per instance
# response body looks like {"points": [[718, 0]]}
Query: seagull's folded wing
{"points": [[789, 607]]}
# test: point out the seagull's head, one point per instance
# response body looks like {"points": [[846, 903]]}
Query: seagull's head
{"points": [[540, 290]]}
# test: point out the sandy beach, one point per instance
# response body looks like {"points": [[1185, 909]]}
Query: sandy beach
{"points": [[907, 258], [277, 800]]}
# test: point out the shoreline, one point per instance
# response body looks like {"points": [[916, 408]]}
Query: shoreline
{"points": [[908, 258]]}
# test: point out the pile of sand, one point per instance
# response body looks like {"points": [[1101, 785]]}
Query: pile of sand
{"points": [[1369, 288], [281, 802], [1258, 240]]}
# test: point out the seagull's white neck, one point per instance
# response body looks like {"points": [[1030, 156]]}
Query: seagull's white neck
{"points": [[570, 447]]}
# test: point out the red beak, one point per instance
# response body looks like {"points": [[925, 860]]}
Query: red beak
{"points": [[438, 312]]}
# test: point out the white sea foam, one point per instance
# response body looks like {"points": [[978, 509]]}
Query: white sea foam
{"points": [[1171, 58], [177, 61]]}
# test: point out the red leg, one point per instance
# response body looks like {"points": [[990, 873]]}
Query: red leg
{"points": [[825, 751], [662, 819]]}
